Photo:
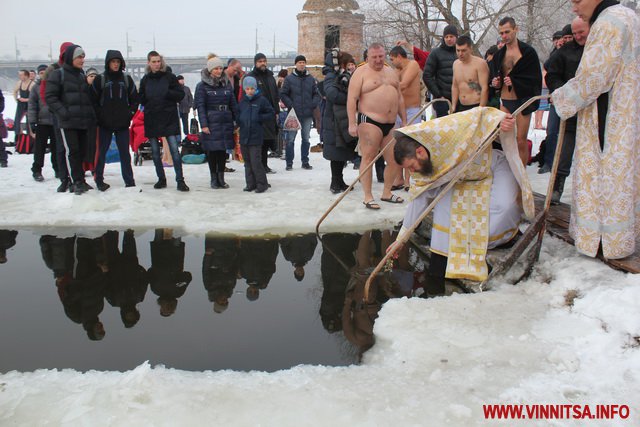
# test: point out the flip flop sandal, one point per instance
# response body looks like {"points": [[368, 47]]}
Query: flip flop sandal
{"points": [[397, 187], [393, 199], [371, 204]]}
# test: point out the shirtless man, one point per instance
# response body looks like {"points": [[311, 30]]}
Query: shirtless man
{"points": [[470, 87], [409, 73], [515, 72], [373, 102]]}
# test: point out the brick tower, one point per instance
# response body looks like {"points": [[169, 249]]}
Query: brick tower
{"points": [[325, 24]]}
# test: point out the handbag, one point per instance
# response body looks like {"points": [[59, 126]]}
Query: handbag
{"points": [[4, 132], [194, 126]]}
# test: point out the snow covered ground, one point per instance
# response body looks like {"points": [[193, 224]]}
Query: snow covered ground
{"points": [[567, 335]]}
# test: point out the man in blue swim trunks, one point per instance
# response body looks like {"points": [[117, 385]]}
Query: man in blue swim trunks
{"points": [[373, 102]]}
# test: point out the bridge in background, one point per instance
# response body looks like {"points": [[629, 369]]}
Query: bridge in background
{"points": [[136, 66]]}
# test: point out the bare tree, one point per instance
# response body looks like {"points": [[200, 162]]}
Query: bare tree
{"points": [[421, 21]]}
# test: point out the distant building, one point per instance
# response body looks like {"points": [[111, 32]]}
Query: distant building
{"points": [[326, 24]]}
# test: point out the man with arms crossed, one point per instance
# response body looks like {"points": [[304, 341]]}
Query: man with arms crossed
{"points": [[373, 102], [470, 87], [515, 72]]}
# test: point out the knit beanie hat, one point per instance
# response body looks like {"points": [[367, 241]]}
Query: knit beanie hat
{"points": [[78, 51], [214, 62], [300, 58], [249, 82], [557, 35], [258, 57], [91, 71], [566, 30], [450, 30]]}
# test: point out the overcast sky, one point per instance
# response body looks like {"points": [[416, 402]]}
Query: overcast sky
{"points": [[181, 28]]}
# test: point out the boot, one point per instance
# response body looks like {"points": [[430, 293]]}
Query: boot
{"points": [[182, 186], [162, 183], [38, 176], [343, 185], [214, 181], [64, 186], [558, 188], [221, 180], [335, 186]]}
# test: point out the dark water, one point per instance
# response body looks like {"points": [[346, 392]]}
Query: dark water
{"points": [[111, 301]]}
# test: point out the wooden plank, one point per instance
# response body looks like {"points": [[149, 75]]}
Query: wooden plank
{"points": [[558, 226]]}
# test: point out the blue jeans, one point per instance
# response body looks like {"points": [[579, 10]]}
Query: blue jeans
{"points": [[173, 141], [290, 137], [553, 126]]}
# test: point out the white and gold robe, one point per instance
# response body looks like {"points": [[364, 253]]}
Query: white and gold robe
{"points": [[606, 183], [483, 209]]}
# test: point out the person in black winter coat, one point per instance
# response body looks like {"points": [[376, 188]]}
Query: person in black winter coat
{"points": [[300, 93], [3, 149], [438, 70], [68, 98], [217, 109], [185, 106], [268, 88], [160, 93], [41, 121], [339, 146], [116, 100], [254, 110]]}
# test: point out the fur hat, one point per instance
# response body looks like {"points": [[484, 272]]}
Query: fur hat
{"points": [[214, 61], [450, 30]]}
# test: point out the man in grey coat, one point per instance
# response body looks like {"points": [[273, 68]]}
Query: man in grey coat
{"points": [[41, 123]]}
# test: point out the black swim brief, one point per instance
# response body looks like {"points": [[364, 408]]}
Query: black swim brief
{"points": [[461, 107], [384, 127], [512, 104]]}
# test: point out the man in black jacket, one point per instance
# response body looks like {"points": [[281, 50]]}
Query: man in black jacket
{"points": [[438, 70], [116, 100], [268, 89], [160, 93], [561, 68], [300, 92], [68, 98], [515, 72]]}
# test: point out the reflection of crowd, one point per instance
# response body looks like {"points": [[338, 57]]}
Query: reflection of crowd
{"points": [[89, 271]]}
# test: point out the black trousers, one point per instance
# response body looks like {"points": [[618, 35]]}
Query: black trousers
{"points": [[216, 160], [566, 156], [44, 133], [254, 173], [74, 142]]}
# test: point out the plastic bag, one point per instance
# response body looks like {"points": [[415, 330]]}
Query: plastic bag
{"points": [[113, 155], [292, 122], [167, 160]]}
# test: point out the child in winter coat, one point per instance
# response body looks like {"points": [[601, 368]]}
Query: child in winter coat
{"points": [[253, 110]]}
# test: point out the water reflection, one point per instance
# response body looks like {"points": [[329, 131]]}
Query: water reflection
{"points": [[289, 282], [220, 268], [7, 241], [167, 277]]}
